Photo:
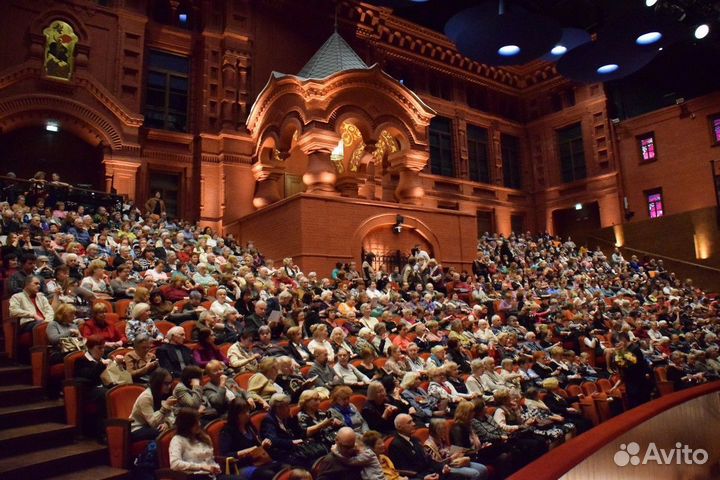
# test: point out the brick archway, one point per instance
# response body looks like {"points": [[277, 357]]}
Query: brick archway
{"points": [[377, 223]]}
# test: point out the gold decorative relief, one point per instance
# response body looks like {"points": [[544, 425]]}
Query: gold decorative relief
{"points": [[60, 41]]}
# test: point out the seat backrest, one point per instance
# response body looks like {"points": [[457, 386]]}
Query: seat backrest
{"points": [[661, 373], [325, 405], [112, 318], [121, 308], [108, 305], [573, 390], [121, 326], [243, 379], [69, 362], [213, 430], [359, 401], [589, 388], [121, 399], [224, 348], [163, 447], [604, 385], [164, 326], [319, 466], [188, 326], [422, 434], [283, 474], [388, 441], [119, 351], [380, 362], [257, 418], [39, 333]]}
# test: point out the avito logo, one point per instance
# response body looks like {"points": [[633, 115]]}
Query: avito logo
{"points": [[630, 454]]}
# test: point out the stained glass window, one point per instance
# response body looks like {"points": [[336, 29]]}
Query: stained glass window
{"points": [[647, 148], [655, 204]]}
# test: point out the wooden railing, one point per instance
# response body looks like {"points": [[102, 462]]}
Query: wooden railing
{"points": [[561, 460]]}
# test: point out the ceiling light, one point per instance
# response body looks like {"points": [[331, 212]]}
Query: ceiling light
{"points": [[648, 38], [183, 18], [578, 206], [609, 68], [702, 31], [558, 50], [52, 127], [509, 50], [650, 3]]}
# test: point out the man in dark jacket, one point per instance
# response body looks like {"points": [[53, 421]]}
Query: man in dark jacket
{"points": [[407, 453], [333, 466], [174, 356]]}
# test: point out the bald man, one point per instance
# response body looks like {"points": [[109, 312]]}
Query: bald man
{"points": [[333, 468]]}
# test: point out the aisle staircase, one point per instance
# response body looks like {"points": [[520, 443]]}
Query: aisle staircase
{"points": [[36, 442]]}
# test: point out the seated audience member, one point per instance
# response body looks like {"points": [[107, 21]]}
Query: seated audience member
{"points": [[292, 382], [188, 391], [283, 447], [379, 414], [396, 365], [97, 280], [98, 325], [262, 386], [63, 334], [240, 440], [240, 355], [437, 448], [29, 306], [320, 340], [350, 375], [153, 411], [89, 369], [264, 345], [314, 424], [216, 393], [425, 406], [407, 453], [346, 412], [206, 350], [339, 463], [367, 364], [338, 341], [191, 450], [140, 322], [159, 307], [221, 306], [174, 356], [325, 375], [559, 406], [295, 348], [140, 362], [122, 285]]}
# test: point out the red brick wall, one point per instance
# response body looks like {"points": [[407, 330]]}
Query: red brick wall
{"points": [[319, 231]]}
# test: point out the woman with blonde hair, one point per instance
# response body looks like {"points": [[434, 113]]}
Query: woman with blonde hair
{"points": [[262, 385], [315, 424], [346, 412], [97, 280], [320, 339], [60, 331], [140, 322]]}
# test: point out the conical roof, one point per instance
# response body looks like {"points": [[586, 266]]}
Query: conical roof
{"points": [[334, 56]]}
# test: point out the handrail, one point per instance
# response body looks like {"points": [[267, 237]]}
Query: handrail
{"points": [[652, 254], [7, 180], [561, 460]]}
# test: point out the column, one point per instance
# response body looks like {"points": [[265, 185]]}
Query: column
{"points": [[321, 175], [267, 175], [408, 165]]}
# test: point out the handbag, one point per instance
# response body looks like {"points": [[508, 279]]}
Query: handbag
{"points": [[114, 375], [259, 457], [72, 344]]}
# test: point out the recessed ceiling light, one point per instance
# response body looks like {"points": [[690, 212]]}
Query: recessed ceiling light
{"points": [[52, 127], [578, 206], [558, 50], [509, 50], [183, 17], [648, 38], [609, 68], [660, 49], [650, 3], [702, 31]]}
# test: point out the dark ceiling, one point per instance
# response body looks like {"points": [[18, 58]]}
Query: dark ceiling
{"points": [[688, 68]]}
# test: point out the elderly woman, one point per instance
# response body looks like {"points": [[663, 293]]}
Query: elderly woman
{"points": [[295, 348], [437, 448], [440, 389], [320, 339], [203, 278], [397, 364], [350, 375], [140, 322], [379, 414], [97, 325], [291, 381], [343, 410], [221, 306], [314, 424], [283, 447], [338, 342], [262, 385], [63, 334], [97, 280], [264, 346], [240, 355], [140, 361], [424, 405], [437, 357]]}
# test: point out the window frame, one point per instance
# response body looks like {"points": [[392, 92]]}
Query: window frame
{"points": [[663, 207], [478, 146], [514, 161], [645, 136], [440, 166], [167, 109], [576, 154], [715, 138]]}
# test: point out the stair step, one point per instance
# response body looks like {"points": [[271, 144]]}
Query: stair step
{"points": [[32, 413], [20, 394], [34, 437], [16, 374], [54, 461], [95, 473]]}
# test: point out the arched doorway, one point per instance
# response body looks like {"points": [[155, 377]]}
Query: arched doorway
{"points": [[27, 150], [392, 248]]}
